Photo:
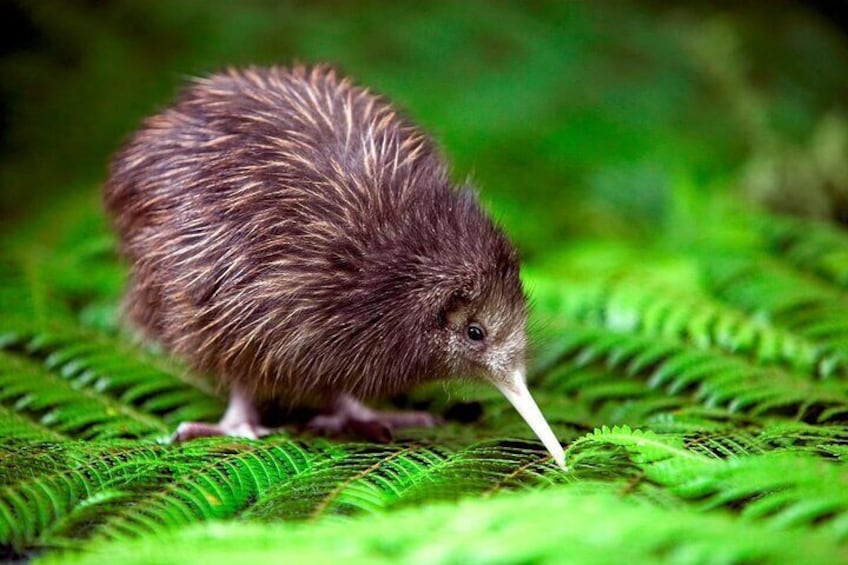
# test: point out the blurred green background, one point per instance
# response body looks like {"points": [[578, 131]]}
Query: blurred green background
{"points": [[614, 119]]}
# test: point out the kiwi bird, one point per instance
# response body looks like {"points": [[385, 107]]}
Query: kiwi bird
{"points": [[295, 238]]}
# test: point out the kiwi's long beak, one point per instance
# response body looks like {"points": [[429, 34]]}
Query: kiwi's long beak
{"points": [[515, 390]]}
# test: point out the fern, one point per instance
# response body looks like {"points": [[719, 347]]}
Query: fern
{"points": [[628, 304], [713, 380], [111, 368], [18, 426], [813, 247], [785, 297], [50, 400], [26, 301], [562, 525], [216, 482], [31, 504], [718, 409], [780, 488]]}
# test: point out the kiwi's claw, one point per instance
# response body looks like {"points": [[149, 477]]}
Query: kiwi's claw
{"points": [[348, 416]]}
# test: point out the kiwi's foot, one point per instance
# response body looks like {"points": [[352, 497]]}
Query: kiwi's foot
{"points": [[348, 416], [240, 420], [191, 430]]}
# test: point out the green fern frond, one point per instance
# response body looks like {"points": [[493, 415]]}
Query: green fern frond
{"points": [[647, 446], [372, 479], [554, 526], [801, 437], [781, 488], [429, 473], [27, 301], [739, 399], [786, 298], [32, 502], [78, 412], [706, 377], [731, 443], [211, 480], [630, 304], [131, 489], [659, 458], [815, 247], [88, 361], [17, 426]]}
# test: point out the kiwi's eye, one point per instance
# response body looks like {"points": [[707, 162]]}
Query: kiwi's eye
{"points": [[475, 332]]}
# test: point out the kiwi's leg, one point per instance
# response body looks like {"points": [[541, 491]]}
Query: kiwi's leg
{"points": [[347, 415], [240, 420]]}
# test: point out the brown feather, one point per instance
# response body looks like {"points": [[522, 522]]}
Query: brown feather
{"points": [[292, 232]]}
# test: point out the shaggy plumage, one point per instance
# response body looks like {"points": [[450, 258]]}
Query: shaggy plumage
{"points": [[290, 232]]}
